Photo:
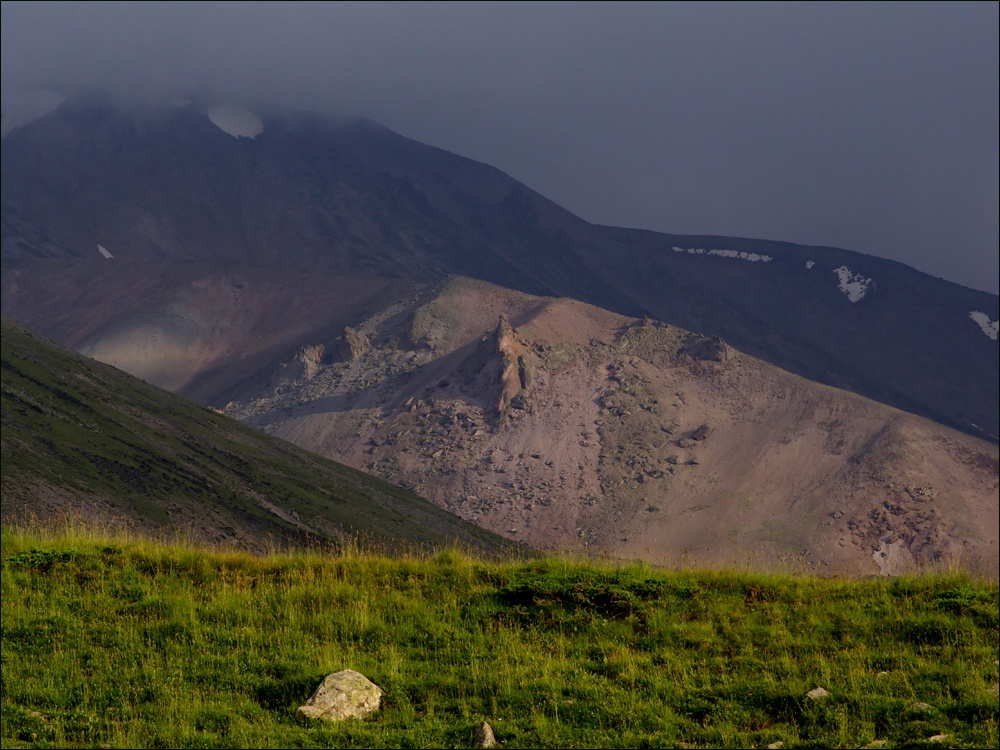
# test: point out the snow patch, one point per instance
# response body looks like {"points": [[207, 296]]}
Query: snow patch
{"points": [[21, 107], [853, 285], [104, 251], [989, 326], [751, 257], [235, 121], [989, 435], [810, 263], [182, 103]]}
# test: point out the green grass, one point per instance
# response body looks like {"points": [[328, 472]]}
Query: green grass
{"points": [[135, 643]]}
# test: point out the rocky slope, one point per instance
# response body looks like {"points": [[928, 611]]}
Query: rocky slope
{"points": [[570, 427], [94, 179]]}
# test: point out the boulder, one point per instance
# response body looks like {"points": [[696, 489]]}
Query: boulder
{"points": [[702, 432], [482, 736], [343, 695]]}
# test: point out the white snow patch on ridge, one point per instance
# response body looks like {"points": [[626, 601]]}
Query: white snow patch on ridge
{"points": [[752, 257], [22, 106], [104, 251], [853, 285], [236, 121], [810, 263], [989, 326]]}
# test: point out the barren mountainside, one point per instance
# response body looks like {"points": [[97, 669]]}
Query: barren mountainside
{"points": [[569, 427]]}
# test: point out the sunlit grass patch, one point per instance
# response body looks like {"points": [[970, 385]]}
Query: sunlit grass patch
{"points": [[130, 642]]}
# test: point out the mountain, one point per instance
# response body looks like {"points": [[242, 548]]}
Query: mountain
{"points": [[97, 182], [81, 438]]}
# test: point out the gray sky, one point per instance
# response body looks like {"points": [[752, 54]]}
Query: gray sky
{"points": [[872, 127]]}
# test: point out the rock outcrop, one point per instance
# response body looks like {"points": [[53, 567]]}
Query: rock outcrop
{"points": [[514, 371], [712, 349], [352, 345], [303, 367], [310, 357], [343, 695]]}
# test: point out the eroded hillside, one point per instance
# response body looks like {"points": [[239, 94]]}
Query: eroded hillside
{"points": [[566, 426]]}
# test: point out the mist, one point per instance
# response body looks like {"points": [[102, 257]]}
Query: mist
{"points": [[872, 127]]}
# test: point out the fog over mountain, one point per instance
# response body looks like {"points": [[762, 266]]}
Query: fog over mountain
{"points": [[869, 127]]}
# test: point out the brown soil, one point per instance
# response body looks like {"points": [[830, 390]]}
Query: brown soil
{"points": [[605, 456]]}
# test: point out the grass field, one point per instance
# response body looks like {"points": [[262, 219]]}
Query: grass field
{"points": [[131, 643]]}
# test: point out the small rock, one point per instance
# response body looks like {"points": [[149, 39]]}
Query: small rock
{"points": [[702, 432], [776, 745], [920, 706], [817, 694], [941, 738], [343, 695], [482, 736], [874, 745]]}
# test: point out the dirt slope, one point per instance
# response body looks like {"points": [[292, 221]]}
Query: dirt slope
{"points": [[582, 429]]}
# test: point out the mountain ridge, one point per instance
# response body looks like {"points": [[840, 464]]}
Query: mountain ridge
{"points": [[347, 195]]}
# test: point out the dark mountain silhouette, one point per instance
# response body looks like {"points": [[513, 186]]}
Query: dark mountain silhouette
{"points": [[311, 192]]}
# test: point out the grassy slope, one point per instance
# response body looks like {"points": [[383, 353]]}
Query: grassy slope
{"points": [[138, 644], [78, 432]]}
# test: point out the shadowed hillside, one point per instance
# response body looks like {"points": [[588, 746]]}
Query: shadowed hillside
{"points": [[81, 438]]}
